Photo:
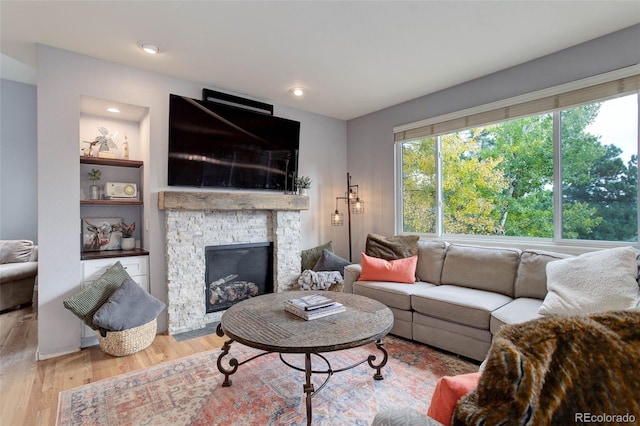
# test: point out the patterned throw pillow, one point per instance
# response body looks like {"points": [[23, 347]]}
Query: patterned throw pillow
{"points": [[391, 248], [85, 303]]}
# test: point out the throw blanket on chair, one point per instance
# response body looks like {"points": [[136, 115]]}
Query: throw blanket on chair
{"points": [[559, 371]]}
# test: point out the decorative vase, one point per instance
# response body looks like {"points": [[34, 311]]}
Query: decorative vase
{"points": [[128, 243], [303, 191], [94, 192]]}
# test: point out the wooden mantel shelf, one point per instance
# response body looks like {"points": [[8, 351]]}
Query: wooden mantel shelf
{"points": [[179, 200]]}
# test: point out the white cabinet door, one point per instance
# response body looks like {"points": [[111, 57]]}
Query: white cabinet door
{"points": [[136, 266]]}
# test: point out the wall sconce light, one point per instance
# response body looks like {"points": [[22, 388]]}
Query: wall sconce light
{"points": [[355, 205]]}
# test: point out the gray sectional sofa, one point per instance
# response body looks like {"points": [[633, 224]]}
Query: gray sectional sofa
{"points": [[463, 294]]}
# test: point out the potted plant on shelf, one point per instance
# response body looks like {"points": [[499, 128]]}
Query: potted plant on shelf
{"points": [[303, 183], [128, 242], [94, 190]]}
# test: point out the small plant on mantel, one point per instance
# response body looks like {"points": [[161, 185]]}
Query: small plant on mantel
{"points": [[303, 182]]}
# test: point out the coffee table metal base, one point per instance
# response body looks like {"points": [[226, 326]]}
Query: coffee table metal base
{"points": [[308, 387]]}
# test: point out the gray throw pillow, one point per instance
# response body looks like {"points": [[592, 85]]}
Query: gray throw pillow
{"points": [[391, 248], [128, 307], [311, 256], [330, 261]]}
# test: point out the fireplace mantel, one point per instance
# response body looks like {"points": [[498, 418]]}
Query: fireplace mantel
{"points": [[183, 200]]}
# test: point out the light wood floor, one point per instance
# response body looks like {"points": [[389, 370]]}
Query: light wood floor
{"points": [[29, 388]]}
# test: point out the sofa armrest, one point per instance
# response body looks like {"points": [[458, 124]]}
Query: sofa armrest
{"points": [[34, 254], [351, 274]]}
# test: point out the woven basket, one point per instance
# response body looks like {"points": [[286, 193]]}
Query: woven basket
{"points": [[127, 342]]}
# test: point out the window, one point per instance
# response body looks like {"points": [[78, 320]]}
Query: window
{"points": [[599, 163], [563, 174]]}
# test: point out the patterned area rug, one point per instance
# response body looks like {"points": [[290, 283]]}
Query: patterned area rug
{"points": [[264, 391]]}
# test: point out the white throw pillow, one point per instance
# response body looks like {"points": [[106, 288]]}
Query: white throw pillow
{"points": [[593, 282]]}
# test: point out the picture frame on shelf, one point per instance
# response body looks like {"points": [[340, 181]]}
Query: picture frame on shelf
{"points": [[101, 233]]}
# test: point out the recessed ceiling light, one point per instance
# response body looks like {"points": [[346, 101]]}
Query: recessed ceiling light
{"points": [[112, 109], [149, 47], [297, 91]]}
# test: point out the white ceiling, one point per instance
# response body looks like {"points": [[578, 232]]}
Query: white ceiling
{"points": [[355, 57]]}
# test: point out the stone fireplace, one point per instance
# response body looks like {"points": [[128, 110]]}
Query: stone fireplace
{"points": [[195, 220]]}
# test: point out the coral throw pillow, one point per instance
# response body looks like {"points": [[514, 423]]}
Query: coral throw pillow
{"points": [[448, 391], [400, 270]]}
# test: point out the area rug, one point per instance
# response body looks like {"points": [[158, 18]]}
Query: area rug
{"points": [[264, 391]]}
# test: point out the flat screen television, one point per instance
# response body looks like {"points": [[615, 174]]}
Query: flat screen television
{"points": [[218, 145]]}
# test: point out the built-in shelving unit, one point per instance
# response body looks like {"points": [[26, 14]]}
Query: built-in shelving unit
{"points": [[129, 131], [117, 170]]}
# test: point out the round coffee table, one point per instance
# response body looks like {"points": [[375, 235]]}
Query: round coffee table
{"points": [[262, 323]]}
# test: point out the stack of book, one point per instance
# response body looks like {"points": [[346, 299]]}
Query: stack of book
{"points": [[313, 306]]}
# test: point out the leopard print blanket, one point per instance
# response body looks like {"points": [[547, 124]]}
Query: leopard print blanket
{"points": [[559, 371]]}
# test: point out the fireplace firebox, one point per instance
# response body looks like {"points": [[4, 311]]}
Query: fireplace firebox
{"points": [[236, 272]]}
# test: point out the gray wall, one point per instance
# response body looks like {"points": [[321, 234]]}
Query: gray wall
{"points": [[63, 77], [370, 147], [18, 170]]}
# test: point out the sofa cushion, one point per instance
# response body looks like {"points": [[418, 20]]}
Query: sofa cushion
{"points": [[399, 270], [430, 259], [461, 339], [311, 256], [330, 261], [593, 282], [87, 301], [519, 310], [532, 273], [128, 307], [468, 306], [392, 294], [391, 248], [482, 268], [15, 251]]}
